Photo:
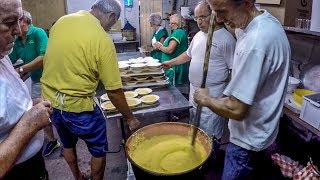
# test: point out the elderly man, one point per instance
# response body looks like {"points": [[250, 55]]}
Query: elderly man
{"points": [[21, 120], [30, 46], [220, 63], [255, 94], [79, 54]]}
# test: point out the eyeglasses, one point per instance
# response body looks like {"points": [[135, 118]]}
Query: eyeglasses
{"points": [[173, 23], [10, 24], [201, 18]]}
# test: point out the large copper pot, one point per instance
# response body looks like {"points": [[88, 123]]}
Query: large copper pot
{"points": [[166, 128]]}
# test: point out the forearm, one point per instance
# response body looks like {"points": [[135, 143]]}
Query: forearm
{"points": [[14, 144], [37, 63], [166, 50], [225, 107], [119, 101], [183, 58]]}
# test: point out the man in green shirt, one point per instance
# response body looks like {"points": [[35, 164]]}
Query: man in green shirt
{"points": [[30, 46]]}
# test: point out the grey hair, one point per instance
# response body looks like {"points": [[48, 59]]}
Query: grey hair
{"points": [[206, 4], [182, 21], [155, 19], [108, 6], [26, 16]]}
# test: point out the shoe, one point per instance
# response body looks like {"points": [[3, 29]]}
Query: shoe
{"points": [[50, 147]]}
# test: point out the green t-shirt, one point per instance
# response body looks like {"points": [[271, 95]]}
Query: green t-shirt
{"points": [[36, 44], [181, 72], [156, 54]]}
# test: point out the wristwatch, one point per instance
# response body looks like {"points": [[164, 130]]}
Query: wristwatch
{"points": [[21, 69]]}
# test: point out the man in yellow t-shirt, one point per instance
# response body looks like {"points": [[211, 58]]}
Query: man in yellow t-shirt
{"points": [[79, 54]]}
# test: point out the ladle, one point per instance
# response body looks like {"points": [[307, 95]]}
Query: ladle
{"points": [[204, 75]]}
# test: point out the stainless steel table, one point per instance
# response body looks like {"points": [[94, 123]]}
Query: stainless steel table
{"points": [[171, 100]]}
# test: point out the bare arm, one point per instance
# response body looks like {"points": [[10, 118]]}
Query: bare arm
{"points": [[183, 58], [35, 64], [168, 50], [162, 40], [119, 101], [228, 107], [29, 124]]}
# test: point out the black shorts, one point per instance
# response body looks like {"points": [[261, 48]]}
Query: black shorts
{"points": [[33, 169]]}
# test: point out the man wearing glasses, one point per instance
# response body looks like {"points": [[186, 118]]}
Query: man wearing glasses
{"points": [[21, 119], [220, 63], [30, 46]]}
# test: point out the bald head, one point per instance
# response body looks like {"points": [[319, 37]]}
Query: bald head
{"points": [[107, 12]]}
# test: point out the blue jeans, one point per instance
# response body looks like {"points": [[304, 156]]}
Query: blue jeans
{"points": [[90, 126], [239, 163]]}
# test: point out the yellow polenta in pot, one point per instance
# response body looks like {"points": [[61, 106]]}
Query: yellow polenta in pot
{"points": [[169, 154], [163, 151]]}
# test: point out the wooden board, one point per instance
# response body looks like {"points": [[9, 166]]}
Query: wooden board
{"points": [[45, 12]]}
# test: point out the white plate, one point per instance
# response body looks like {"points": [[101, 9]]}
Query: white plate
{"points": [[143, 91], [141, 78], [154, 65], [105, 97], [150, 99], [123, 66], [108, 106], [130, 94], [162, 80], [137, 66], [132, 102], [137, 61]]}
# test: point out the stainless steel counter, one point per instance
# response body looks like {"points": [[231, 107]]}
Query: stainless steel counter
{"points": [[171, 100]]}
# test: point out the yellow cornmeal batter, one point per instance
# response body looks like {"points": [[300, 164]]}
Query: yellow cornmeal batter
{"points": [[169, 154]]}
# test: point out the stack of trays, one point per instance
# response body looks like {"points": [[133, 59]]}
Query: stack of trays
{"points": [[142, 72]]}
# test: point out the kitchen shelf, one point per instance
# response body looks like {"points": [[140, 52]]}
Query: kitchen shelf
{"points": [[301, 31]]}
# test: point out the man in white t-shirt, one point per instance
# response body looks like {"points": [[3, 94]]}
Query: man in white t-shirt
{"points": [[21, 119], [220, 63], [255, 94]]}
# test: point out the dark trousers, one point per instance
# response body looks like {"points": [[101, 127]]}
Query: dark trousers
{"points": [[32, 169]]}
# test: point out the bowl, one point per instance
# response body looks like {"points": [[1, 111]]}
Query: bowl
{"points": [[141, 78], [299, 93], [143, 91], [292, 84], [150, 99], [162, 80], [130, 94], [137, 66], [137, 61], [131, 83], [123, 66], [132, 102], [108, 106], [123, 62], [105, 97]]}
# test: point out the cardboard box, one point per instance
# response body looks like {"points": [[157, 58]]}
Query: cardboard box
{"points": [[287, 10]]}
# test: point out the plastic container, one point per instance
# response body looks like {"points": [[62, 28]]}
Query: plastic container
{"points": [[310, 111]]}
